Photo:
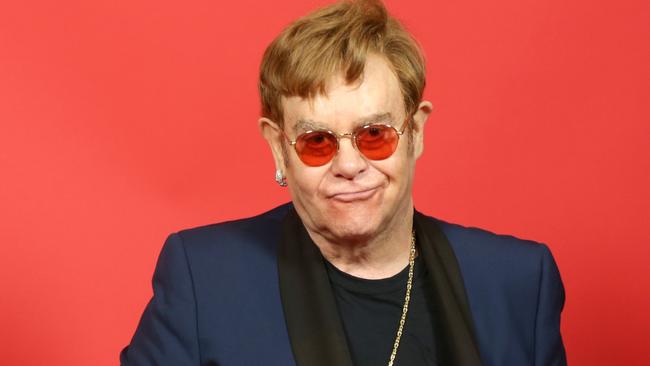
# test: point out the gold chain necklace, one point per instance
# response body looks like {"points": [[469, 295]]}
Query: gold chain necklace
{"points": [[407, 298]]}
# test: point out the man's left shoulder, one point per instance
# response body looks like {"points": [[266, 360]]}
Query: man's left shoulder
{"points": [[488, 245], [490, 257]]}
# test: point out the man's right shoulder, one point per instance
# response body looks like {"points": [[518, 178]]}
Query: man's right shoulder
{"points": [[236, 235]]}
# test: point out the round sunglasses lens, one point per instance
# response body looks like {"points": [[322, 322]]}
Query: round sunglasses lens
{"points": [[316, 148], [377, 142]]}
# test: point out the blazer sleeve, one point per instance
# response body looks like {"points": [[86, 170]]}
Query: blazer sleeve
{"points": [[549, 349], [167, 332]]}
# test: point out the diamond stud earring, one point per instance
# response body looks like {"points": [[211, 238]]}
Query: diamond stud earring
{"points": [[280, 178]]}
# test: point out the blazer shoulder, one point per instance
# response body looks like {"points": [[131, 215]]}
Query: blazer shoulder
{"points": [[485, 242], [247, 234], [495, 259]]}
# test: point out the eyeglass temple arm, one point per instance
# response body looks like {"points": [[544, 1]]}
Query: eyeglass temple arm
{"points": [[406, 123], [291, 142]]}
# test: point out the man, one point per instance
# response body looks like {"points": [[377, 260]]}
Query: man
{"points": [[349, 273]]}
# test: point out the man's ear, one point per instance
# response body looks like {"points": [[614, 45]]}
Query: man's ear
{"points": [[272, 133], [419, 120]]}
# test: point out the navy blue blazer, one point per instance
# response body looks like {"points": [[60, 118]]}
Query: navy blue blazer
{"points": [[255, 292]]}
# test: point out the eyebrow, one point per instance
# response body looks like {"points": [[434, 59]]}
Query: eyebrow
{"points": [[311, 125]]}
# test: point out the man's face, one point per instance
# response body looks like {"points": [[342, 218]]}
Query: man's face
{"points": [[352, 198]]}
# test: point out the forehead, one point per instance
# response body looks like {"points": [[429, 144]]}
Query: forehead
{"points": [[346, 105]]}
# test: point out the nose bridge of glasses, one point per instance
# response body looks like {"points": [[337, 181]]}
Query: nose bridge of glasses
{"points": [[351, 135]]}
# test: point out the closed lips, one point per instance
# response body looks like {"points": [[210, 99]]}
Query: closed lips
{"points": [[354, 195]]}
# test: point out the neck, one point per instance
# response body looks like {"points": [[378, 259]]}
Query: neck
{"points": [[375, 257]]}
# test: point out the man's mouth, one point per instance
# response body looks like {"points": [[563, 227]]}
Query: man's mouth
{"points": [[352, 196]]}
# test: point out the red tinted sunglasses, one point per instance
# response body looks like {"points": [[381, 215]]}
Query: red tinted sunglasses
{"points": [[376, 141]]}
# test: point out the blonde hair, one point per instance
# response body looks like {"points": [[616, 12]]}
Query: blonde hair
{"points": [[305, 56]]}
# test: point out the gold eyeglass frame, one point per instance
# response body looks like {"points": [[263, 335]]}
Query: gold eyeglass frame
{"points": [[351, 135]]}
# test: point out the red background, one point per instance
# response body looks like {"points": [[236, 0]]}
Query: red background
{"points": [[122, 121]]}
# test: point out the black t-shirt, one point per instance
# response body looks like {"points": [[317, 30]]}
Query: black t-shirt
{"points": [[371, 311]]}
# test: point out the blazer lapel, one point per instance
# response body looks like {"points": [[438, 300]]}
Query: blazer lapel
{"points": [[314, 325], [458, 344]]}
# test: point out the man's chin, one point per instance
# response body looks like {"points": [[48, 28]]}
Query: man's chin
{"points": [[353, 228]]}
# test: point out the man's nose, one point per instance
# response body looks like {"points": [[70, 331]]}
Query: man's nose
{"points": [[348, 162]]}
